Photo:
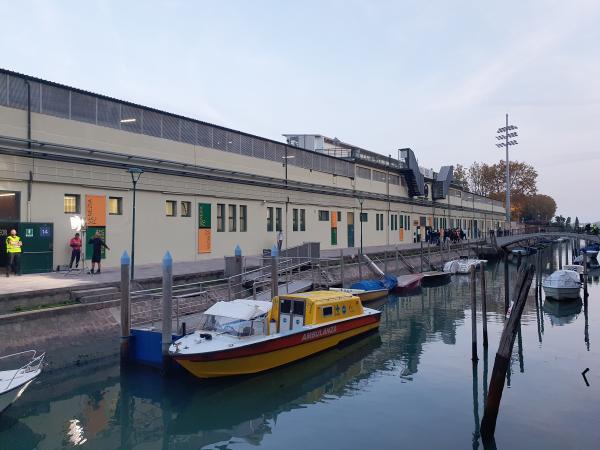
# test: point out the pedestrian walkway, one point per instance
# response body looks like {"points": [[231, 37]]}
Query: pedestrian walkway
{"points": [[61, 280], [58, 280]]}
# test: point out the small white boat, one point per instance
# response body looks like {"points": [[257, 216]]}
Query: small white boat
{"points": [[13, 382], [562, 285], [462, 265]]}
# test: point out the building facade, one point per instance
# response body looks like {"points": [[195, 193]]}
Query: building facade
{"points": [[65, 152]]}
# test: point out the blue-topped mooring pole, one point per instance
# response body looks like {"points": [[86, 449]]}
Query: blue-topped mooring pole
{"points": [[125, 307], [167, 308]]}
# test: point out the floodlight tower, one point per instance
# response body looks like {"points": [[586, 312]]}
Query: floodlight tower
{"points": [[506, 134]]}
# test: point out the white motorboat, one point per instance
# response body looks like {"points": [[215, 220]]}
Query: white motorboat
{"points": [[462, 265], [13, 382], [562, 285]]}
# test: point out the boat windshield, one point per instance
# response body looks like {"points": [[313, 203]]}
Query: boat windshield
{"points": [[233, 326]]}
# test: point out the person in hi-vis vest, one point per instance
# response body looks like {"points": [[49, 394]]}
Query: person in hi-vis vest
{"points": [[13, 251]]}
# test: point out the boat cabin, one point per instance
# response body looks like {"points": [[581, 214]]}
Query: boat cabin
{"points": [[294, 311]]}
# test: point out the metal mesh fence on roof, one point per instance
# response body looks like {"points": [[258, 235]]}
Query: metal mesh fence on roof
{"points": [[70, 104]]}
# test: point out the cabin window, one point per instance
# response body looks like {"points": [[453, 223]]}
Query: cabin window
{"points": [[299, 308], [327, 311], [286, 306]]}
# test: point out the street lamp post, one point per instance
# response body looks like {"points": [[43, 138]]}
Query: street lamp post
{"points": [[135, 173], [504, 134], [361, 225], [286, 159]]}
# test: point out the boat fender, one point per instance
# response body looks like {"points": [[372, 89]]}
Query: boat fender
{"points": [[206, 336]]}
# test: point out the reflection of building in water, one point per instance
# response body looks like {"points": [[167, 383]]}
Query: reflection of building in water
{"points": [[140, 408]]}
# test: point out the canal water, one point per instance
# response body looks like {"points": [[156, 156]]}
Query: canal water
{"points": [[412, 385]]}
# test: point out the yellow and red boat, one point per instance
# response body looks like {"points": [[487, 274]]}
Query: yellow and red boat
{"points": [[248, 336]]}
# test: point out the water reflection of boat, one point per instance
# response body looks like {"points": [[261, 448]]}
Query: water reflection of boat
{"points": [[562, 313], [219, 410]]}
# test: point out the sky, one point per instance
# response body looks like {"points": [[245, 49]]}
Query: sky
{"points": [[436, 76]]}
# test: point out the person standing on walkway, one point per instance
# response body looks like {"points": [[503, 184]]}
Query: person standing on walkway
{"points": [[13, 251], [97, 244], [75, 244], [279, 240]]}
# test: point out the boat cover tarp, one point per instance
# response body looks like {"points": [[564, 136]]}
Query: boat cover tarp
{"points": [[563, 279], [243, 309], [388, 282]]}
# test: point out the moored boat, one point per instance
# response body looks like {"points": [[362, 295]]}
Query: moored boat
{"points": [[562, 285], [591, 250], [462, 265], [435, 278], [237, 339], [409, 282], [365, 296], [13, 382]]}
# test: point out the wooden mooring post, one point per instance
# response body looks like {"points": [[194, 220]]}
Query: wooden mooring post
{"points": [[502, 361], [473, 315], [167, 309], [125, 307], [483, 302], [506, 284], [585, 275], [421, 255]]}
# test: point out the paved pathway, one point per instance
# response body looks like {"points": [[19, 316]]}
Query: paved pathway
{"points": [[58, 280]]}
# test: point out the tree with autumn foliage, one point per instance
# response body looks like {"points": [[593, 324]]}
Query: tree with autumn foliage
{"points": [[489, 180]]}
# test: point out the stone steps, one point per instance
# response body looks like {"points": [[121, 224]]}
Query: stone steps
{"points": [[94, 295]]}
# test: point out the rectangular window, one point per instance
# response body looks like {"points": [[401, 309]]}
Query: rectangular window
{"points": [[423, 221], [270, 218], [379, 176], [278, 221], [72, 204], [364, 217], [323, 215], [339, 216], [302, 220], [243, 218], [232, 217], [363, 172], [115, 206], [186, 209], [394, 179], [171, 208], [220, 217], [402, 221], [327, 311], [295, 219], [380, 216]]}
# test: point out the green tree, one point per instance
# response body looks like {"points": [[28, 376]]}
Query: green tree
{"points": [[538, 207]]}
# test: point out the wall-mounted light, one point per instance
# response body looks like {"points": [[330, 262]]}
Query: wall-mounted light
{"points": [[8, 194], [132, 120]]}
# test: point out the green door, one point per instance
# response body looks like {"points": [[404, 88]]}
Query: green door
{"points": [[38, 247], [350, 224]]}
